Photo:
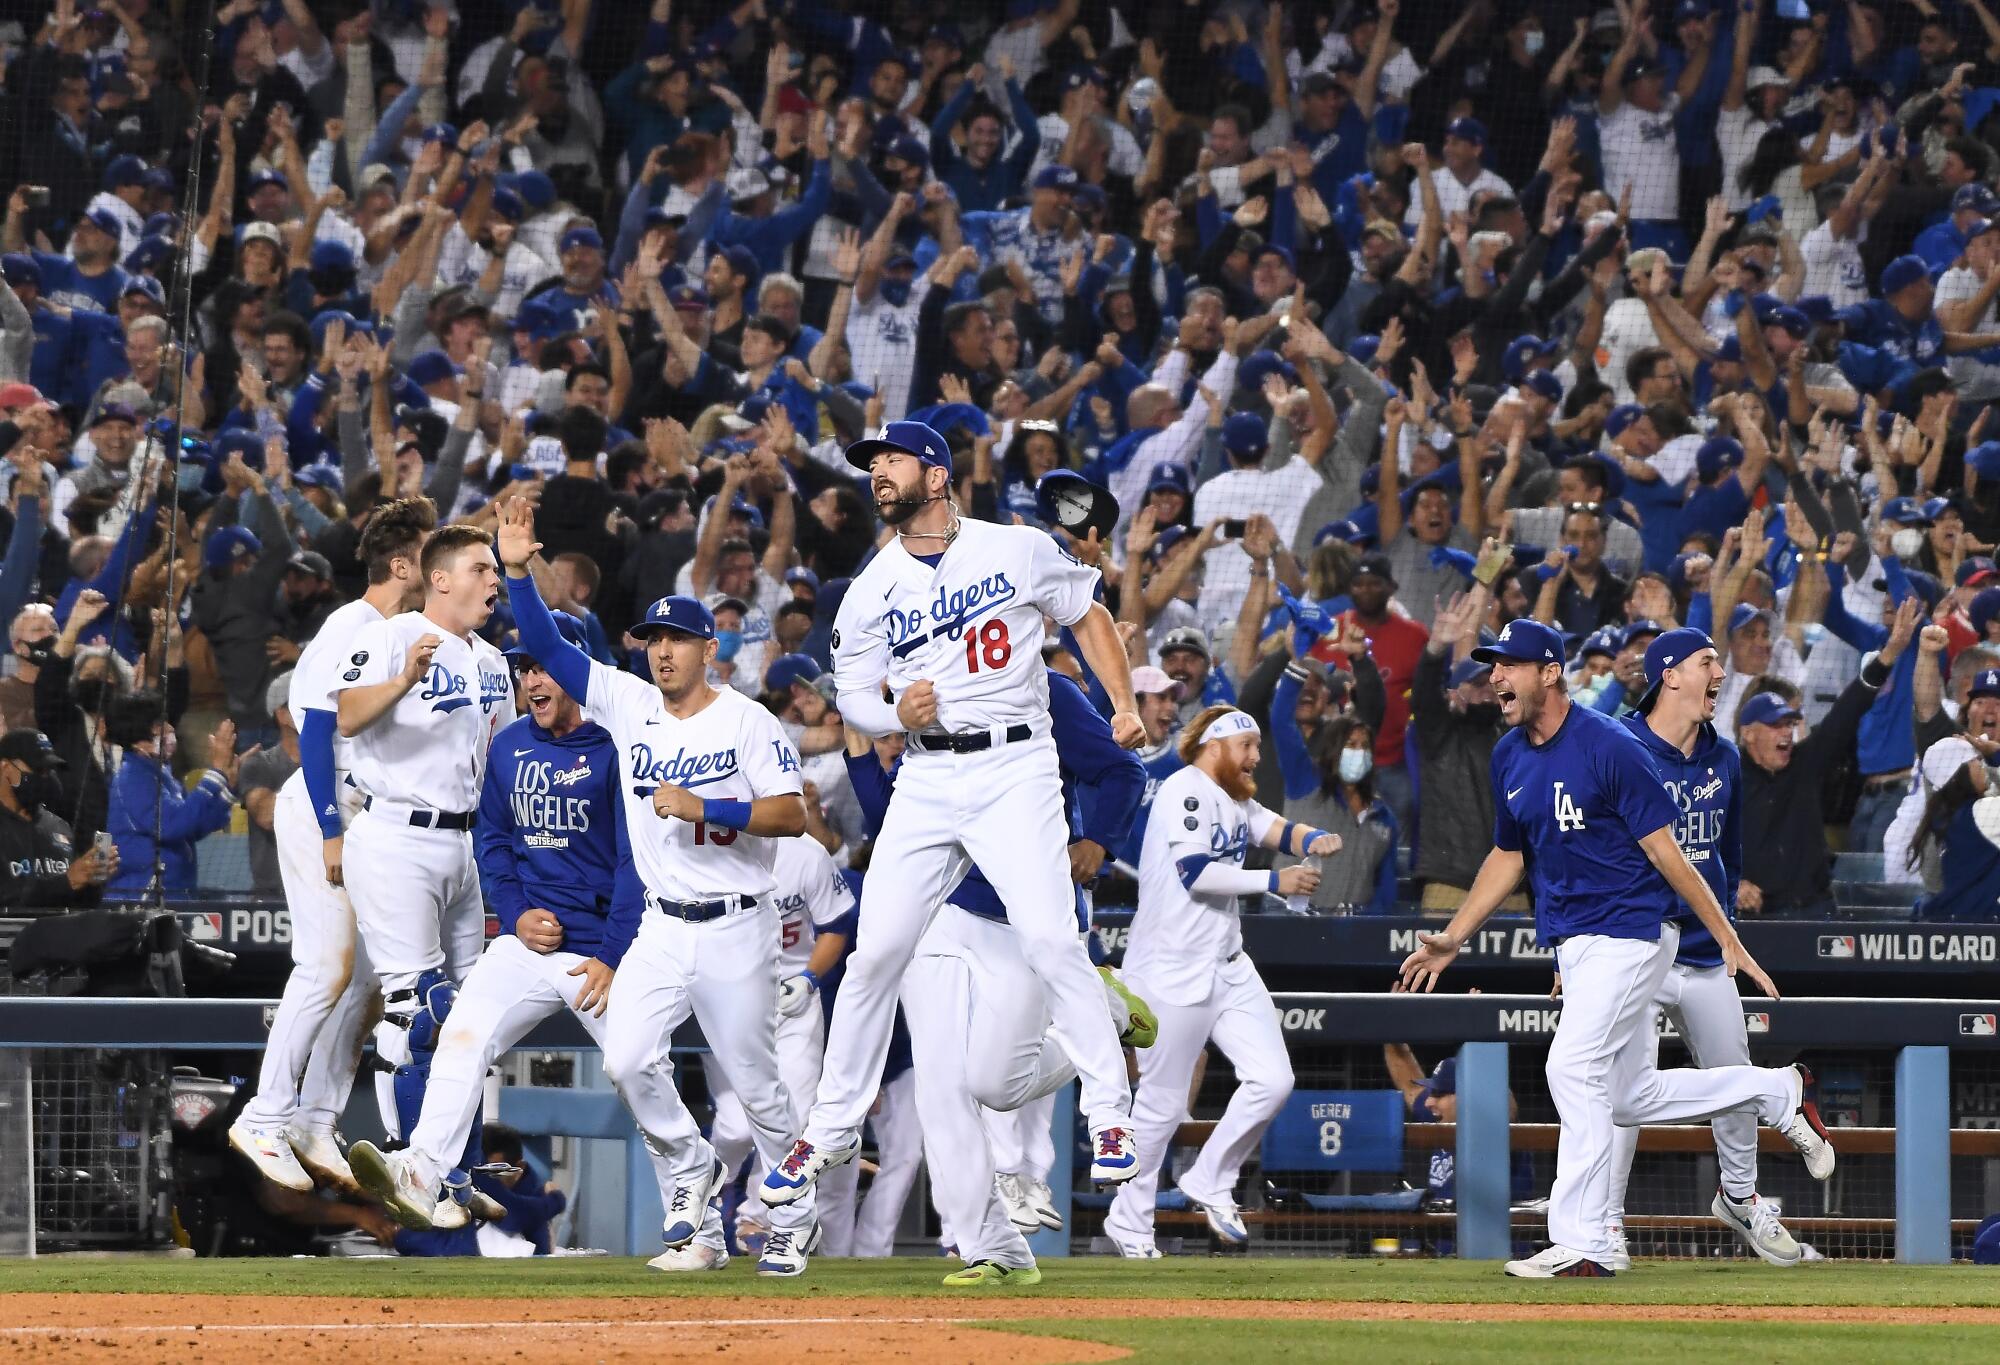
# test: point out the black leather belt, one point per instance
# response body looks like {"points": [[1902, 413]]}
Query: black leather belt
{"points": [[968, 743], [431, 819], [701, 912]]}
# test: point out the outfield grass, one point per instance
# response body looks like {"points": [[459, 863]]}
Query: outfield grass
{"points": [[1388, 1281]]}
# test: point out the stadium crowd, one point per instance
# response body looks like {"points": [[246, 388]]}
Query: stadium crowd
{"points": [[1383, 324]]}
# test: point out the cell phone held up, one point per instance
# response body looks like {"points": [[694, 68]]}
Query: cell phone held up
{"points": [[36, 196], [1234, 527]]}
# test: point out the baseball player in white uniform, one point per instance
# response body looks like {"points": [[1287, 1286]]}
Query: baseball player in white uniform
{"points": [[811, 897], [1185, 955], [287, 1128], [950, 617], [420, 698], [711, 783], [1580, 808]]}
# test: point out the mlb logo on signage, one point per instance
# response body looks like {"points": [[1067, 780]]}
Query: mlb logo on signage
{"points": [[270, 1016], [1759, 1022], [1978, 1025], [202, 927], [1836, 945]]}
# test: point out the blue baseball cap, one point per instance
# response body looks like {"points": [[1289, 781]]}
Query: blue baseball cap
{"points": [[799, 573], [1910, 512], [1730, 349], [788, 669], [1350, 531], [440, 132], [330, 258], [1766, 708], [1259, 366], [1523, 349], [122, 172], [1523, 640], [509, 205], [1467, 130], [18, 267], [1974, 570], [1544, 385], [1974, 196], [318, 476], [230, 544], [1903, 272], [582, 236], [535, 187], [144, 284], [1465, 670], [1621, 417], [432, 367], [1245, 434], [1167, 474], [1444, 1077], [1055, 178], [1667, 651], [1747, 614], [240, 442], [1985, 683], [567, 626], [1638, 630], [105, 221], [683, 615], [908, 438], [267, 177], [150, 254], [1983, 460], [1364, 347], [1716, 454]]}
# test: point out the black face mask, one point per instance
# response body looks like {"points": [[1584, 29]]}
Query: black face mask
{"points": [[37, 653], [91, 694], [37, 791]]}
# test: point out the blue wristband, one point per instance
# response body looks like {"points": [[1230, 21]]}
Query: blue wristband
{"points": [[811, 976], [1306, 841], [1285, 837], [1274, 883], [726, 814]]}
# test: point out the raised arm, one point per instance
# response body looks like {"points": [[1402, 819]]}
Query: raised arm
{"points": [[517, 547]]}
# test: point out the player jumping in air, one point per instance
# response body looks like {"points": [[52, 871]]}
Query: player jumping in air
{"points": [[1579, 807]]}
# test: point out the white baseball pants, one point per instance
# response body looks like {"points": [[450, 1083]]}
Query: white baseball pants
{"points": [[801, 1045], [416, 897], [1023, 1140], [977, 1020], [1001, 808], [1239, 1016], [899, 1156], [508, 991], [724, 973], [1707, 1009], [1603, 1074], [329, 999]]}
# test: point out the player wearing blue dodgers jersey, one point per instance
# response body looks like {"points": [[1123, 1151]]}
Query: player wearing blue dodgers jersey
{"points": [[979, 1019], [710, 783], [1580, 808], [1186, 954], [949, 616], [420, 701], [557, 871], [315, 1038], [1704, 776]]}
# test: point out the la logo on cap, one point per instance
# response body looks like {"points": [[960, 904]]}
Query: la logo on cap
{"points": [[1506, 632]]}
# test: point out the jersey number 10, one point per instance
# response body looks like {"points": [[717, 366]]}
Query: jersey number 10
{"points": [[990, 644]]}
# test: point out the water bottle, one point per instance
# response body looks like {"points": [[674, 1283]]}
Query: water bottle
{"points": [[1299, 903]]}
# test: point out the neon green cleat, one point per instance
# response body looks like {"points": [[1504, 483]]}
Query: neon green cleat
{"points": [[1138, 1026], [983, 1273]]}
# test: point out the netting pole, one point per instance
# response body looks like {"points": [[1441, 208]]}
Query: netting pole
{"points": [[1482, 1165], [1923, 1156]]}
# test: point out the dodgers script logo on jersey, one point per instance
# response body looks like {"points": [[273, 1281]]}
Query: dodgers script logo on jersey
{"points": [[447, 690], [1699, 829], [1229, 845], [948, 614], [547, 816], [681, 770]]}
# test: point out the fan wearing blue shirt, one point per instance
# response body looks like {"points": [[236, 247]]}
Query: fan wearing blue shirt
{"points": [[1580, 808], [1703, 773]]}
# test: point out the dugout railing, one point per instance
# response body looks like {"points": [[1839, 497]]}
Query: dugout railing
{"points": [[1493, 1036]]}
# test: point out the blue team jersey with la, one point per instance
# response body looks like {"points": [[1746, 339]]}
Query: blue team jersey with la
{"points": [[1575, 808], [1706, 785]]}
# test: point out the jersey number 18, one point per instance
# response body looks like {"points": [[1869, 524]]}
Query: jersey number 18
{"points": [[990, 644]]}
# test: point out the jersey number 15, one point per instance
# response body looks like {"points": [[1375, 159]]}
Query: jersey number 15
{"points": [[720, 836]]}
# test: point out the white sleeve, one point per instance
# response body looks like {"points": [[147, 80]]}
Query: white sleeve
{"points": [[375, 656], [766, 755], [1261, 820], [827, 894], [1227, 879], [1057, 582]]}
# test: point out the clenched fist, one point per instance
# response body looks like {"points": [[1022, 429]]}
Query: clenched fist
{"points": [[917, 708]]}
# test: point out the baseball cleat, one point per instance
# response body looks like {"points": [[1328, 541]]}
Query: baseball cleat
{"points": [[699, 1256], [1558, 1263], [983, 1273], [322, 1158], [448, 1213], [1014, 1199], [272, 1156], [1225, 1220], [786, 1249], [1804, 1130], [1137, 1250], [797, 1172], [1115, 1155], [1756, 1222], [1042, 1200], [392, 1178], [1137, 1025], [690, 1203], [1621, 1256]]}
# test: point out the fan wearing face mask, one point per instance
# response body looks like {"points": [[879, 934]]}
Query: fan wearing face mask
{"points": [[44, 869]]}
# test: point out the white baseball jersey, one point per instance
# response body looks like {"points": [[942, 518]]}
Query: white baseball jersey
{"points": [[319, 667], [810, 894], [730, 749], [1178, 937], [430, 749], [972, 625]]}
